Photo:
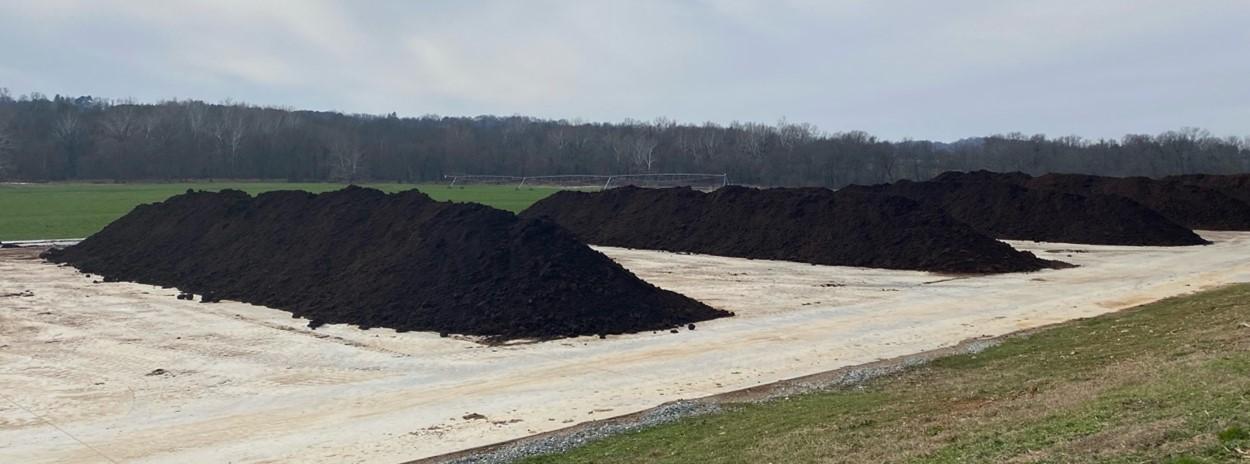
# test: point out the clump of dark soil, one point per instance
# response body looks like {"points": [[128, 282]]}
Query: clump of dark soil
{"points": [[1006, 210], [1185, 202], [809, 225], [403, 261]]}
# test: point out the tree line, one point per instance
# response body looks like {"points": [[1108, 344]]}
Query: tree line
{"points": [[87, 138]]}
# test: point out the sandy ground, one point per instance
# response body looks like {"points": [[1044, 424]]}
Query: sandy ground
{"points": [[121, 372]]}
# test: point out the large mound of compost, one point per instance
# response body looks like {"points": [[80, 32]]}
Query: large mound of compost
{"points": [[1233, 185], [1191, 205], [809, 225], [1185, 201], [1007, 210], [404, 261]]}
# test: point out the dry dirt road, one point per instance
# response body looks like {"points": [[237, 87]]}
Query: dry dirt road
{"points": [[121, 372]]}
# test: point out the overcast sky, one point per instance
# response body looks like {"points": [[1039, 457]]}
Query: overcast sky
{"points": [[921, 69]]}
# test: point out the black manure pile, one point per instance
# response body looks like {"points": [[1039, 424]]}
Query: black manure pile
{"points": [[1192, 201], [1194, 206], [1005, 210], [1236, 186], [403, 261], [809, 225]]}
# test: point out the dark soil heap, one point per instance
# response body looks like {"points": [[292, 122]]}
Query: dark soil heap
{"points": [[403, 261], [1184, 202], [1193, 206], [1006, 210], [809, 225], [1235, 186]]}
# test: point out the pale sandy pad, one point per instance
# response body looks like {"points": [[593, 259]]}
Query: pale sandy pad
{"points": [[242, 383]]}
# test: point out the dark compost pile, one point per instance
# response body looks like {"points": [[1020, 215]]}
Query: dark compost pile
{"points": [[1187, 201], [1234, 185], [1006, 210], [1191, 205], [403, 261], [809, 225]]}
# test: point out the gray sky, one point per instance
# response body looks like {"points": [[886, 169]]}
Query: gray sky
{"points": [[912, 68]]}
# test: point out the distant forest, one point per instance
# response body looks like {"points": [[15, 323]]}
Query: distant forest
{"points": [[86, 138]]}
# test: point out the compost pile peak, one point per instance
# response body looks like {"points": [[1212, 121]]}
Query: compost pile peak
{"points": [[999, 206], [811, 225], [363, 257]]}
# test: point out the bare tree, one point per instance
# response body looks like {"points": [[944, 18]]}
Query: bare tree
{"points": [[7, 167], [710, 141], [66, 128], [795, 135], [196, 116], [121, 121], [271, 120], [636, 149], [558, 138], [229, 132], [347, 156], [754, 138], [67, 131], [642, 149], [687, 144], [619, 145], [150, 123], [663, 124]]}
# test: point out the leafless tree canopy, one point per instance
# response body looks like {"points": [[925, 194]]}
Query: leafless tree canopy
{"points": [[60, 138], [6, 155]]}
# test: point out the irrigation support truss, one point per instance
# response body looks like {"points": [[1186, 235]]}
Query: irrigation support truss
{"points": [[607, 179]]}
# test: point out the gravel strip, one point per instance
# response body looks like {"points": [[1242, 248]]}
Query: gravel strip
{"points": [[560, 443]]}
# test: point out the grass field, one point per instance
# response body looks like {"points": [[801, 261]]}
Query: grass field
{"points": [[1166, 382], [47, 211]]}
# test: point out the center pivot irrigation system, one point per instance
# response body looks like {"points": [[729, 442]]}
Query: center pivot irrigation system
{"points": [[602, 182]]}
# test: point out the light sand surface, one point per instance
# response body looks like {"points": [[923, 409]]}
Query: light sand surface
{"points": [[243, 383]]}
